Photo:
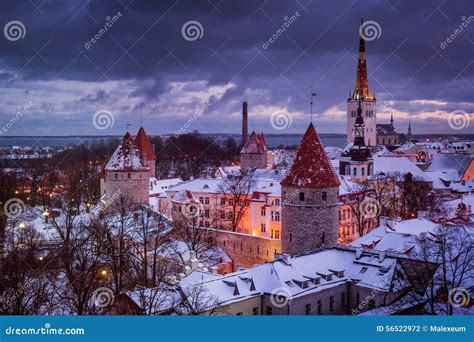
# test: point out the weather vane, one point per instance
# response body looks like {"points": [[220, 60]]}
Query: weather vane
{"points": [[313, 94]]}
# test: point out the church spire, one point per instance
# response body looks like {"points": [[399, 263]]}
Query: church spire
{"points": [[391, 119], [362, 83], [409, 135]]}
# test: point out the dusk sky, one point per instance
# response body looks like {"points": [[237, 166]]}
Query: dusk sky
{"points": [[61, 69]]}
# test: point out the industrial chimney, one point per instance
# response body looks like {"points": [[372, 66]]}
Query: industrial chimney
{"points": [[245, 122]]}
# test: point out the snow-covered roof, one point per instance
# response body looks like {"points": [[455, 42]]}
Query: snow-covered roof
{"points": [[255, 144], [332, 267], [396, 236], [160, 186], [451, 163], [215, 186], [398, 165], [127, 157]]}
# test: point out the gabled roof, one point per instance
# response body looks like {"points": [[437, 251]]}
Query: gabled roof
{"points": [[255, 145], [451, 162], [126, 157], [386, 129], [143, 143], [311, 167]]}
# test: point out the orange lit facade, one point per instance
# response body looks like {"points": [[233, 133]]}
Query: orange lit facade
{"points": [[261, 218]]}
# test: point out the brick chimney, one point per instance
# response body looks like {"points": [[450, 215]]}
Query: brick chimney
{"points": [[245, 122]]}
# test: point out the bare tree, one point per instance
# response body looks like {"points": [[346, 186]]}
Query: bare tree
{"points": [[236, 190], [24, 287], [197, 300], [441, 264]]}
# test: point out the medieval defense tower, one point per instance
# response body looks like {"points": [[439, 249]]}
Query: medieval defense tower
{"points": [[310, 192]]}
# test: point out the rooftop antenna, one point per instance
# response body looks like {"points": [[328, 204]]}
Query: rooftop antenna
{"points": [[312, 94]]}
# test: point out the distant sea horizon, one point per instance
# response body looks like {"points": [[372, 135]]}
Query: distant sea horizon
{"points": [[272, 140]]}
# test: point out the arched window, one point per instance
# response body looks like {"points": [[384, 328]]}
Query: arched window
{"points": [[348, 170], [301, 196], [362, 171], [354, 171]]}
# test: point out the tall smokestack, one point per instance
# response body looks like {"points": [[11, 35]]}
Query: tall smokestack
{"points": [[245, 122]]}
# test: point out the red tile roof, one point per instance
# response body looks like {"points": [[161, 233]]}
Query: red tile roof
{"points": [[255, 145], [143, 143], [311, 167]]}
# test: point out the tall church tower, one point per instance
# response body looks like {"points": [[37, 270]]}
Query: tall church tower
{"points": [[310, 192], [368, 101]]}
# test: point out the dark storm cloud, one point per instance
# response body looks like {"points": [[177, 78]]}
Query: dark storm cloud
{"points": [[142, 66]]}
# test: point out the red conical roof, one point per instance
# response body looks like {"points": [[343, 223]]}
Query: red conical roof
{"points": [[311, 167], [143, 143]]}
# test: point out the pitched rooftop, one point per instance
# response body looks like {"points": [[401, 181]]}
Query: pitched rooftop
{"points": [[126, 157], [143, 143], [311, 167], [255, 145]]}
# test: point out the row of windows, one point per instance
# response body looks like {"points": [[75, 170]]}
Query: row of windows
{"points": [[344, 214], [250, 247], [368, 113], [346, 230], [319, 306], [324, 196], [362, 171], [230, 201], [275, 215], [366, 130]]}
